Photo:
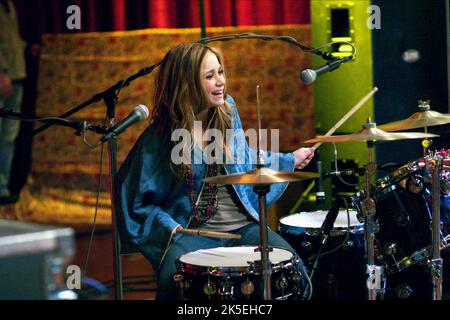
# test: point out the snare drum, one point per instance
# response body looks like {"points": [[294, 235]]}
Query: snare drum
{"points": [[230, 273], [341, 267]]}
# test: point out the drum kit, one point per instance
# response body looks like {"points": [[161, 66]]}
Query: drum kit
{"points": [[391, 225]]}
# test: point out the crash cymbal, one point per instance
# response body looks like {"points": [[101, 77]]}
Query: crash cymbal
{"points": [[372, 133], [260, 176], [422, 119]]}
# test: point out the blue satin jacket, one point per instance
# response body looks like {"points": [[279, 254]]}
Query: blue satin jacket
{"points": [[152, 202]]}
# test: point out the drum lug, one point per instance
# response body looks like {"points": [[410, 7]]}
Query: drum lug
{"points": [[306, 247], [404, 291], [402, 218], [348, 245], [415, 185], [178, 278], [247, 287], [209, 288], [390, 249], [226, 291], [282, 283], [181, 284], [297, 282]]}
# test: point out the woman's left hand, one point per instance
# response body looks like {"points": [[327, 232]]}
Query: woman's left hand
{"points": [[303, 156]]}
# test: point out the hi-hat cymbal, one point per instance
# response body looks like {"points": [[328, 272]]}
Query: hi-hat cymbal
{"points": [[422, 119], [260, 176], [372, 133]]}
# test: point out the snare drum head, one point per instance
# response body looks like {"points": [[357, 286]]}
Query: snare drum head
{"points": [[315, 219], [229, 257]]}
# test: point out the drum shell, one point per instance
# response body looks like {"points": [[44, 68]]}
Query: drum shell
{"points": [[340, 274], [403, 202], [228, 282]]}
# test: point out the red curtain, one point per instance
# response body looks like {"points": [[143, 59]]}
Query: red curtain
{"points": [[50, 16]]}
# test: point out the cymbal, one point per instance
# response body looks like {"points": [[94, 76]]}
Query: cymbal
{"points": [[422, 119], [370, 132], [419, 119], [260, 176]]}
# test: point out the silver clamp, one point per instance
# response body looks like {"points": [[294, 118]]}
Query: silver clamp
{"points": [[376, 279]]}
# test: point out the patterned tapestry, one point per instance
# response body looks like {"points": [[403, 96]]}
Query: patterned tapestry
{"points": [[62, 186]]}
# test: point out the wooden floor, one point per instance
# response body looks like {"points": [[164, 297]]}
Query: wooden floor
{"points": [[138, 277]]}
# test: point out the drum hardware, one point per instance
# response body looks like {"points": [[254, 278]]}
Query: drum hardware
{"points": [[371, 227], [339, 273], [230, 273], [404, 291], [415, 184], [371, 133], [436, 263], [181, 284], [226, 289], [247, 288], [348, 245], [209, 288], [407, 230], [326, 228], [261, 178]]}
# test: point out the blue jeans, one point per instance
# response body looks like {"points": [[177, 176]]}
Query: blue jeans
{"points": [[166, 287], [9, 130]]}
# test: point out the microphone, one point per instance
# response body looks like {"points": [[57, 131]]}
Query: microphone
{"points": [[308, 76], [338, 173], [330, 218], [140, 112], [320, 190]]}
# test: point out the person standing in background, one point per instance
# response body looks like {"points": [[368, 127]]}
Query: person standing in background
{"points": [[12, 75]]}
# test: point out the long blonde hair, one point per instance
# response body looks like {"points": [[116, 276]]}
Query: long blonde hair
{"points": [[180, 96]]}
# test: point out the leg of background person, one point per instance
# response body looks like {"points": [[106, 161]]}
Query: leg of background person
{"points": [[9, 130], [166, 287]]}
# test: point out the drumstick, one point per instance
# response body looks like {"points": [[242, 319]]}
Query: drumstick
{"points": [[211, 234], [345, 117]]}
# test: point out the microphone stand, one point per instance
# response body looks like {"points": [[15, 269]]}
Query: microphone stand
{"points": [[81, 126], [110, 100], [109, 97]]}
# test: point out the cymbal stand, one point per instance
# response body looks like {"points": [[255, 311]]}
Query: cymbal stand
{"points": [[264, 265], [436, 262], [375, 273]]}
